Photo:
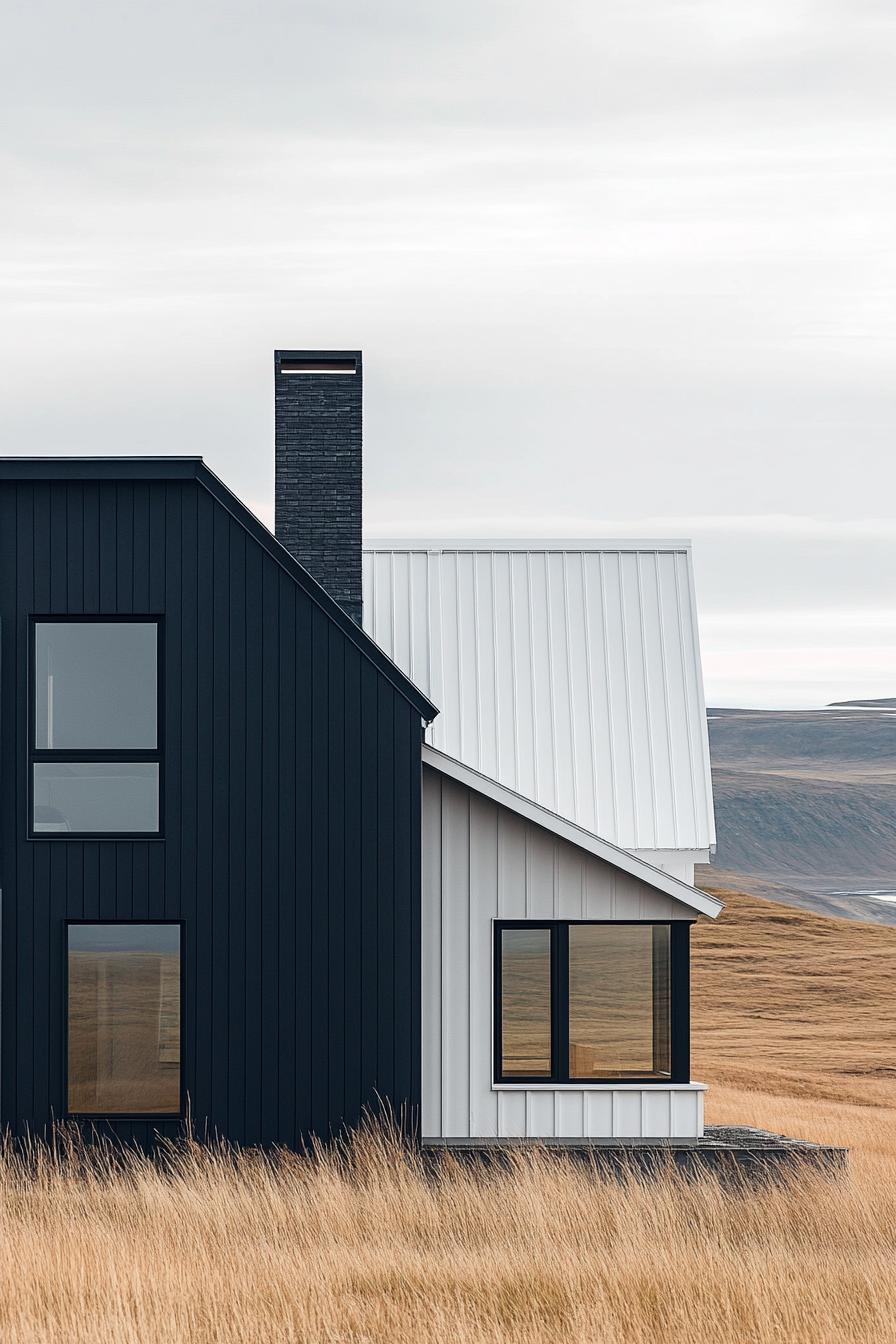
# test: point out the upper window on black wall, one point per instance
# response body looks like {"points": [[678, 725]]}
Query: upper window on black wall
{"points": [[96, 685], [95, 767]]}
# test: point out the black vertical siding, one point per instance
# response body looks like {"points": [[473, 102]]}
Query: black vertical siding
{"points": [[291, 822]]}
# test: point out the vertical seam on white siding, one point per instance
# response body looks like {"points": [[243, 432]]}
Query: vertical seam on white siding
{"points": [[670, 739], [703, 738], [495, 680], [608, 695], [440, 588], [552, 699], [458, 644], [441, 967], [633, 782], [592, 731], [492, 950], [648, 718], [533, 706], [687, 700], [392, 648], [410, 601], [569, 692], [427, 657], [442, 954], [470, 905], [477, 680], [513, 675], [374, 596]]}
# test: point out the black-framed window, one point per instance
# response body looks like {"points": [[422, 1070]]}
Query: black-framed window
{"points": [[124, 1023], [584, 1001], [95, 760]]}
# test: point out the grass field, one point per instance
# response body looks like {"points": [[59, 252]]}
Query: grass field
{"points": [[794, 1027]]}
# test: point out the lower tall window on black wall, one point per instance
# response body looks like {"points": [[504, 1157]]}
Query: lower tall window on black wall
{"points": [[591, 1002], [124, 1019]]}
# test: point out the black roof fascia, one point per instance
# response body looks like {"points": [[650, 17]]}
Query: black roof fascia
{"points": [[317, 354], [99, 468], [193, 468]]}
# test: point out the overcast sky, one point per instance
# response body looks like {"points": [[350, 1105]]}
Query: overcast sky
{"points": [[618, 268]]}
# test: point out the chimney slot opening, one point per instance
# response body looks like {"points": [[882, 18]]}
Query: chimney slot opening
{"points": [[318, 366]]}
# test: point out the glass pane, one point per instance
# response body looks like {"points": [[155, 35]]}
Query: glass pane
{"points": [[95, 796], [526, 1003], [618, 1001], [124, 1019], [95, 685]]}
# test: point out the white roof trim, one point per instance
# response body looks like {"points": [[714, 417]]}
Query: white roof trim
{"points": [[534, 544], [575, 835]]}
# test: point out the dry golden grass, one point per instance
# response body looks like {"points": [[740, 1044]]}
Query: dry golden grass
{"points": [[362, 1246], [795, 1004]]}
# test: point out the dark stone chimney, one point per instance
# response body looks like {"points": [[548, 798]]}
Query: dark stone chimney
{"points": [[317, 467]]}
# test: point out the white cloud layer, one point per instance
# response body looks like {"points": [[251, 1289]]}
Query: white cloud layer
{"points": [[617, 267]]}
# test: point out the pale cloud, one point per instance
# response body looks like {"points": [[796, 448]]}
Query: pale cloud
{"points": [[620, 268]]}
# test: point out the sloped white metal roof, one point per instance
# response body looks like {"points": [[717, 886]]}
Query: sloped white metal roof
{"points": [[567, 671]]}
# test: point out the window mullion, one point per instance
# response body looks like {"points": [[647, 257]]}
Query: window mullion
{"points": [[99, 755], [560, 1003]]}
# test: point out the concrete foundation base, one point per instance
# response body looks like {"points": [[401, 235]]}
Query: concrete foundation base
{"points": [[727, 1150]]}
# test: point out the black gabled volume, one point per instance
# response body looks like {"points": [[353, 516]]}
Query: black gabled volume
{"points": [[290, 849]]}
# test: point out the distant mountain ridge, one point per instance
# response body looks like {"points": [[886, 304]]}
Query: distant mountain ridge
{"points": [[887, 703], [806, 804]]}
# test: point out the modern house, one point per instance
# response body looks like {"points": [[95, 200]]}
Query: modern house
{"points": [[251, 874]]}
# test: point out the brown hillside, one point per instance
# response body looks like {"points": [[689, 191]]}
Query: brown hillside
{"points": [[790, 1003]]}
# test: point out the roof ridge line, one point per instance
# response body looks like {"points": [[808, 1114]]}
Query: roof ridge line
{"points": [[525, 544]]}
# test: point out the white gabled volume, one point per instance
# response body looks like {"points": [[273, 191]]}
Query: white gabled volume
{"points": [[485, 861]]}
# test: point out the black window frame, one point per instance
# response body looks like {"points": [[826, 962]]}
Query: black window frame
{"points": [[86, 756], [107, 1117], [679, 1005]]}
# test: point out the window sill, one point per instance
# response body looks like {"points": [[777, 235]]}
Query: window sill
{"points": [[85, 837], [152, 1117], [600, 1087]]}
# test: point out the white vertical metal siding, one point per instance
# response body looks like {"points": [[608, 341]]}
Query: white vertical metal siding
{"points": [[483, 862], [570, 674]]}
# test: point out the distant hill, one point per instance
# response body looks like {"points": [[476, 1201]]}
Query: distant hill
{"points": [[866, 704], [806, 805]]}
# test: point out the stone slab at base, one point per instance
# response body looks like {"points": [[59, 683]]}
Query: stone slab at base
{"points": [[728, 1150]]}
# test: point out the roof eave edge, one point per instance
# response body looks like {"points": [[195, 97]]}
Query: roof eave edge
{"points": [[574, 834]]}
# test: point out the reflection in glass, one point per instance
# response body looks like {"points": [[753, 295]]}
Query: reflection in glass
{"points": [[95, 685], [619, 1001], [124, 1019], [526, 1003], [96, 796]]}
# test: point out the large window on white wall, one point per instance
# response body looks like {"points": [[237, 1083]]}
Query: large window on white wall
{"points": [[591, 1002], [95, 749]]}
